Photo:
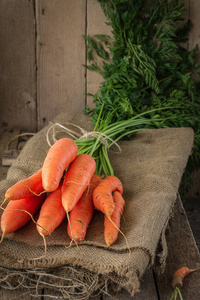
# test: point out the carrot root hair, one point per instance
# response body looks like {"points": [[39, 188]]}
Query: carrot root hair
{"points": [[45, 249], [27, 212], [34, 192], [4, 201]]}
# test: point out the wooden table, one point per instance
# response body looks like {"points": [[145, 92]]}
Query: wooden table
{"points": [[182, 250]]}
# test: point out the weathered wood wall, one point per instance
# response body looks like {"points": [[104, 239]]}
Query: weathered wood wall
{"points": [[18, 64], [42, 53]]}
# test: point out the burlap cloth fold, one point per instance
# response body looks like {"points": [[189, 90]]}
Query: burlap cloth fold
{"points": [[150, 167]]}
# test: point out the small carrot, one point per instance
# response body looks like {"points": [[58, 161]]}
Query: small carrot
{"points": [[58, 158], [77, 179], [18, 213], [82, 213], [26, 187], [177, 280], [179, 275], [52, 212], [112, 225], [102, 195]]}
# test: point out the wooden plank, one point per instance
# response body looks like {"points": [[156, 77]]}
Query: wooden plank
{"points": [[6, 137], [14, 146], [60, 58], [9, 156], [182, 251], [147, 290], [192, 208], [194, 37], [194, 192], [17, 65], [95, 25]]}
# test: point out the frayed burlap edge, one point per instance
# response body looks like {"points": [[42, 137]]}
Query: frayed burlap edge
{"points": [[67, 282]]}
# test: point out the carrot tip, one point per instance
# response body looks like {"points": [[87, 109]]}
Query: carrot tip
{"points": [[77, 238], [45, 244], [4, 201]]}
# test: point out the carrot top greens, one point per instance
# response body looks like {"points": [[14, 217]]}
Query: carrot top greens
{"points": [[109, 133], [146, 66]]}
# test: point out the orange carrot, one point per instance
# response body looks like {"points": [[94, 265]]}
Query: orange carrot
{"points": [[52, 213], [110, 230], [18, 213], [102, 195], [26, 187], [58, 158], [77, 179], [179, 275], [82, 213]]}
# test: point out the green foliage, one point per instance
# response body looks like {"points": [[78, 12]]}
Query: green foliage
{"points": [[146, 66]]}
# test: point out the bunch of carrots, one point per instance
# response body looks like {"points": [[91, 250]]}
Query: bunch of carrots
{"points": [[75, 178], [66, 184]]}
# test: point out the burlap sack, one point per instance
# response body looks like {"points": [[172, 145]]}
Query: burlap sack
{"points": [[150, 167]]}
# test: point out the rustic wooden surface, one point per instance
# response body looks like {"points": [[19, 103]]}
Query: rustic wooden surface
{"points": [[192, 208], [182, 250]]}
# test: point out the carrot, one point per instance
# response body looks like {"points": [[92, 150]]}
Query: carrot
{"points": [[51, 215], [112, 225], [177, 280], [179, 275], [58, 158], [26, 187], [18, 213], [52, 212], [102, 195], [77, 178], [82, 213]]}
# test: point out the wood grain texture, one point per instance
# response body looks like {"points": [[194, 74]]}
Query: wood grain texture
{"points": [[192, 208], [194, 37], [182, 251], [17, 65], [5, 143], [60, 58], [95, 25]]}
